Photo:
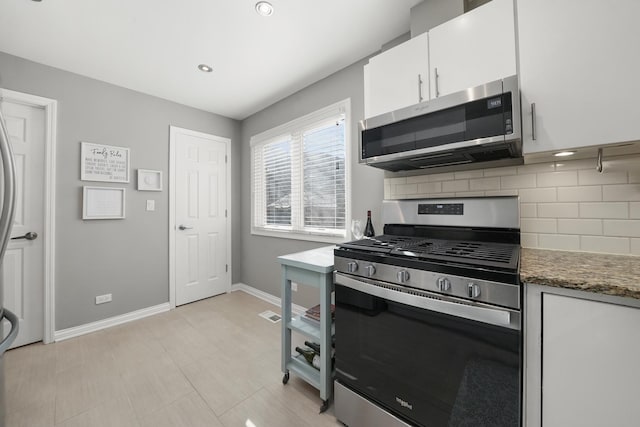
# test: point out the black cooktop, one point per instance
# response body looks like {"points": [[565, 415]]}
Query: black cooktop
{"points": [[471, 253]]}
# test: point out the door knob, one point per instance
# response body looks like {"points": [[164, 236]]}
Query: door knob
{"points": [[31, 235], [184, 227]]}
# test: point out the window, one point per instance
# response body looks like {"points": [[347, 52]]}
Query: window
{"points": [[299, 177]]}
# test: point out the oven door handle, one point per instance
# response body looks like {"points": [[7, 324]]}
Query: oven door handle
{"points": [[437, 303]]}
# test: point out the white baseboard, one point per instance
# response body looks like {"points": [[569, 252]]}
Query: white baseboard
{"points": [[65, 334], [296, 309]]}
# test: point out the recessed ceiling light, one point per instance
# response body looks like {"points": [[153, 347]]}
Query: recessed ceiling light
{"points": [[264, 8], [565, 153], [205, 68]]}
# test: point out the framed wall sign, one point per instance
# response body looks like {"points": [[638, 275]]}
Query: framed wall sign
{"points": [[105, 163], [149, 180], [103, 202]]}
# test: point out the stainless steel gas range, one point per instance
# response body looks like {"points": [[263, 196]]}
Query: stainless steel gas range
{"points": [[428, 317]]}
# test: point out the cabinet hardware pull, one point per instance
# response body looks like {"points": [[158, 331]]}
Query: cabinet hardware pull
{"points": [[533, 121], [420, 98], [437, 77]]}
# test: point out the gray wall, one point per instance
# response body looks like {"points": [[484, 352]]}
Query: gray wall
{"points": [[431, 13], [260, 267], [128, 258]]}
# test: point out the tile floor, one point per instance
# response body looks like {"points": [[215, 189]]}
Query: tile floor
{"points": [[212, 363]]}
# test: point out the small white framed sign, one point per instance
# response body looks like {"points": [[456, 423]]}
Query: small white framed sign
{"points": [[105, 163], [149, 180], [103, 202]]}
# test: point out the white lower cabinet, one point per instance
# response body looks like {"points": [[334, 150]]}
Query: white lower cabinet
{"points": [[584, 367]]}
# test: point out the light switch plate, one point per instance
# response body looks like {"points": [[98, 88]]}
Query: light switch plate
{"points": [[151, 205]]}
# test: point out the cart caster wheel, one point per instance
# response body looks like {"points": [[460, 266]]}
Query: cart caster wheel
{"points": [[325, 406], [285, 379]]}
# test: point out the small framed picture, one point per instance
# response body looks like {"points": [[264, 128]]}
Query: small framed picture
{"points": [[103, 202], [149, 180]]}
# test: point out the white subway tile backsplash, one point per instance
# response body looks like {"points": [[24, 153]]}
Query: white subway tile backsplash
{"points": [[620, 193], [604, 210], [497, 193], [501, 171], [593, 177], [622, 227], [462, 185], [468, 174], [518, 181], [529, 240], [557, 179], [580, 194], [417, 179], [559, 242], [535, 168], [394, 181], [528, 210], [430, 187], [483, 184], [609, 245], [564, 205], [575, 164], [580, 226], [442, 176], [540, 195], [558, 210], [406, 189], [539, 225]]}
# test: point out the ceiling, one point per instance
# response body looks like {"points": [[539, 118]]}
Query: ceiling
{"points": [[155, 46]]}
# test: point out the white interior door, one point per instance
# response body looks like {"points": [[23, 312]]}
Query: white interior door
{"points": [[201, 268], [23, 266]]}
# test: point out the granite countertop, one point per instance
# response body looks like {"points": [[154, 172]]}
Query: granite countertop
{"points": [[617, 275]]}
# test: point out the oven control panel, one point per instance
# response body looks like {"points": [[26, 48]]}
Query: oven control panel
{"points": [[441, 209], [504, 294]]}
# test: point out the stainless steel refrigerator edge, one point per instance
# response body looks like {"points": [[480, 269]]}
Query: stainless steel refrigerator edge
{"points": [[6, 222]]}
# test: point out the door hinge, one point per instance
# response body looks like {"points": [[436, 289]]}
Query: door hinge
{"points": [[226, 159], [225, 213], [226, 268]]}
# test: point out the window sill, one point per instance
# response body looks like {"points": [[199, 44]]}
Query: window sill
{"points": [[299, 236]]}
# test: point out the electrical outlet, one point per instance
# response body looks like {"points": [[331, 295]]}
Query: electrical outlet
{"points": [[101, 299], [294, 286]]}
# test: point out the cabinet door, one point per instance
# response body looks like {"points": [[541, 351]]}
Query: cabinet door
{"points": [[579, 65], [398, 77], [473, 49], [590, 353]]}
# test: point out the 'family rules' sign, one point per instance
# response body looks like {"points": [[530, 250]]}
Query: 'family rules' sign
{"points": [[104, 163]]}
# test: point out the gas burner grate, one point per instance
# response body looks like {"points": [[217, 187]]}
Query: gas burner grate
{"points": [[474, 251]]}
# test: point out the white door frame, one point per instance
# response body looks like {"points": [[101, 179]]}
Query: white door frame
{"points": [[50, 107], [172, 205]]}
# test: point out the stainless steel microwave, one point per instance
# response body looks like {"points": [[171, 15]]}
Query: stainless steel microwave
{"points": [[480, 124]]}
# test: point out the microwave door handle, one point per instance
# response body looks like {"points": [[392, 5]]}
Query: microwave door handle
{"points": [[490, 316]]}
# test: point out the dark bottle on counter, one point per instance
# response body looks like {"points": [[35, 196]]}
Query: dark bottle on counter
{"points": [[368, 229], [310, 356]]}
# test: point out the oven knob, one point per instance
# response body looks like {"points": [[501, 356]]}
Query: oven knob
{"points": [[474, 290], [403, 276], [352, 267], [443, 284], [370, 270]]}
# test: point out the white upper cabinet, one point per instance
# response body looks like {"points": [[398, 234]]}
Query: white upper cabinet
{"points": [[579, 65], [473, 49], [397, 77]]}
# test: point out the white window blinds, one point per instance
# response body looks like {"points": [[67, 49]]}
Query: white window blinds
{"points": [[300, 180]]}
